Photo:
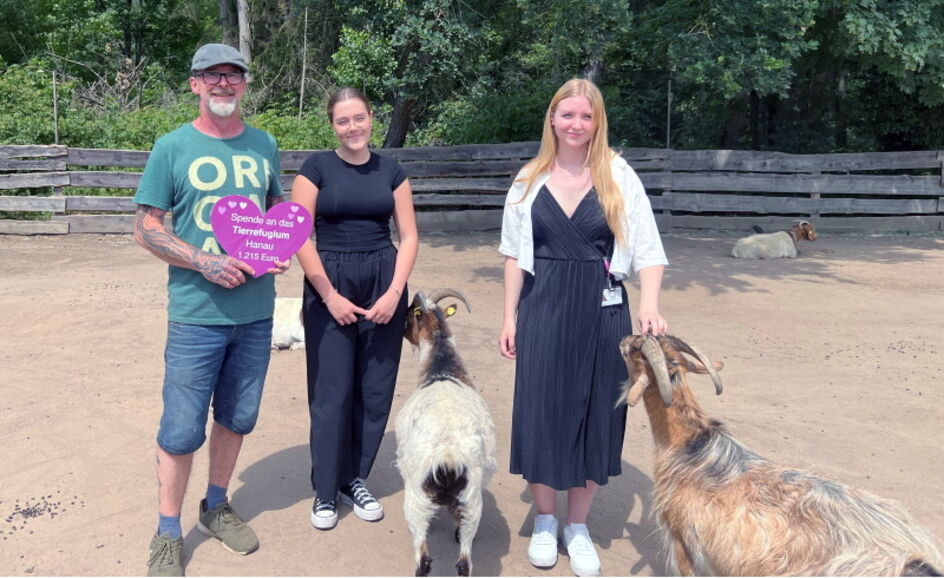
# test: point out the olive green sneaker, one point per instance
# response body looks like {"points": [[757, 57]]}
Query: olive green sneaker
{"points": [[164, 556], [223, 524]]}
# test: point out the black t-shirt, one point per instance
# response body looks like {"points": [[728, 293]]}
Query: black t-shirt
{"points": [[355, 202]]}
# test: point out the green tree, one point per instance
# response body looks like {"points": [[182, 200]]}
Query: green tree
{"points": [[23, 29], [724, 57], [118, 47], [412, 53]]}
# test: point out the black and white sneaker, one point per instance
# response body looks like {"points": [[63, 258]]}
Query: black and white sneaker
{"points": [[324, 514], [366, 507]]}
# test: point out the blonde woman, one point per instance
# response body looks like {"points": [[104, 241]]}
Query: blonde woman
{"points": [[576, 222]]}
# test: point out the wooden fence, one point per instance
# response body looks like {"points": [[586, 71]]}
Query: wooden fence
{"points": [[463, 187]]}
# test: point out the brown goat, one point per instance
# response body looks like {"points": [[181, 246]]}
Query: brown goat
{"points": [[774, 245], [727, 511]]}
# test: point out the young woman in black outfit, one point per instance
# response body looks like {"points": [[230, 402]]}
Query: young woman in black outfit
{"points": [[355, 304]]}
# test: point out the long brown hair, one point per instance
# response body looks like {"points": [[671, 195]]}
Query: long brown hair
{"points": [[599, 153]]}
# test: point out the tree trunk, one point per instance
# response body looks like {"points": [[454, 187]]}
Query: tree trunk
{"points": [[754, 119], [228, 23], [400, 120], [736, 123], [245, 36], [593, 69], [840, 98], [593, 66]]}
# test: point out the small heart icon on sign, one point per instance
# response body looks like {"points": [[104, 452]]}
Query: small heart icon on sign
{"points": [[256, 239]]}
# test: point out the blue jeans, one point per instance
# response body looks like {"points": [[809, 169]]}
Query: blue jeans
{"points": [[225, 364]]}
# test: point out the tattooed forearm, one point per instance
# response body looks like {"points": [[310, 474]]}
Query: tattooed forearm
{"points": [[150, 233]]}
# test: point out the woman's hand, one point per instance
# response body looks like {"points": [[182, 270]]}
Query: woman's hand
{"points": [[650, 320], [384, 308], [343, 311], [279, 267], [506, 340]]}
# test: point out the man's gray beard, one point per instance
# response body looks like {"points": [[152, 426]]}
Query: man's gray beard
{"points": [[223, 109]]}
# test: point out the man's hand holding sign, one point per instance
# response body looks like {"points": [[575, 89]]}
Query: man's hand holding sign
{"points": [[259, 243]]}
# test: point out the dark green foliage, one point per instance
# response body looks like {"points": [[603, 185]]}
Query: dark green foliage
{"points": [[491, 117], [789, 75]]}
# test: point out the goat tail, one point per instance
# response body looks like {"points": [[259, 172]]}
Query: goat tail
{"points": [[919, 567], [445, 483], [445, 466]]}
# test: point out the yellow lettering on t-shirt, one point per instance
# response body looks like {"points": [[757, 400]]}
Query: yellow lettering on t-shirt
{"points": [[245, 167], [211, 246], [202, 185], [201, 212]]}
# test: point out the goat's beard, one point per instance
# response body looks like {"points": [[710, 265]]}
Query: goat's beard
{"points": [[224, 109]]}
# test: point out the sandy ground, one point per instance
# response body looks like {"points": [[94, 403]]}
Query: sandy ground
{"points": [[832, 363]]}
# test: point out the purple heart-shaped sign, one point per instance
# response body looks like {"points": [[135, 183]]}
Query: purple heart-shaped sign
{"points": [[256, 239]]}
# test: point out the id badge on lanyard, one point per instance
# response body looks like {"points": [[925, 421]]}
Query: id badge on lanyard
{"points": [[612, 290]]}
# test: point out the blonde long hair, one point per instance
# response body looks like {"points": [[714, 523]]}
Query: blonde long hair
{"points": [[599, 154]]}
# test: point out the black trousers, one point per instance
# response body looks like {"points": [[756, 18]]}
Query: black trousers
{"points": [[352, 369]]}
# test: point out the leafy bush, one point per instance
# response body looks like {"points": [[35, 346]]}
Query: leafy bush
{"points": [[489, 117], [26, 113], [310, 132]]}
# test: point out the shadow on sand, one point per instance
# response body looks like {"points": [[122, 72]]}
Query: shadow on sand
{"points": [[631, 491]]}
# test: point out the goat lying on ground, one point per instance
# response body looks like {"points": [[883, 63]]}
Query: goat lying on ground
{"points": [[445, 434], [288, 329], [727, 511], [774, 245]]}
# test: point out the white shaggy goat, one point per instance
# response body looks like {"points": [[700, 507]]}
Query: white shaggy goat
{"points": [[288, 329], [727, 511], [445, 434], [774, 245]]}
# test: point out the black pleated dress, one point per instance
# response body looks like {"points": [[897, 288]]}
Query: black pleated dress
{"points": [[568, 372]]}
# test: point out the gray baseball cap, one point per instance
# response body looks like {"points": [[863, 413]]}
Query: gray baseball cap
{"points": [[210, 55]]}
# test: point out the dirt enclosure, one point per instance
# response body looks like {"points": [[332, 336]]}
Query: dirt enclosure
{"points": [[833, 363]]}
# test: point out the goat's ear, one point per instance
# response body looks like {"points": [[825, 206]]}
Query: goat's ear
{"points": [[697, 367], [451, 310]]}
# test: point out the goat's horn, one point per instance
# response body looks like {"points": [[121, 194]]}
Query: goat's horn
{"points": [[420, 300], [634, 392], [656, 358], [438, 295], [700, 355]]}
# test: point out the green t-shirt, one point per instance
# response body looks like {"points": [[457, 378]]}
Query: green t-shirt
{"points": [[186, 173]]}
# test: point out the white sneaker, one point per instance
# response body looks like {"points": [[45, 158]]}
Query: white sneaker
{"points": [[324, 514], [366, 506], [583, 555], [542, 551]]}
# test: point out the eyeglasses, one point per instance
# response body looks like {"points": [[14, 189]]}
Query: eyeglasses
{"points": [[214, 78]]}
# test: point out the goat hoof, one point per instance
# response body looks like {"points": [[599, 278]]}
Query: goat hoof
{"points": [[462, 568], [426, 564]]}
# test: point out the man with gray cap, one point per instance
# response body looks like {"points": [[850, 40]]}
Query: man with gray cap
{"points": [[219, 315]]}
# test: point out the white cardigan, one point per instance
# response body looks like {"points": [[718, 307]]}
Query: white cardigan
{"points": [[642, 247]]}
